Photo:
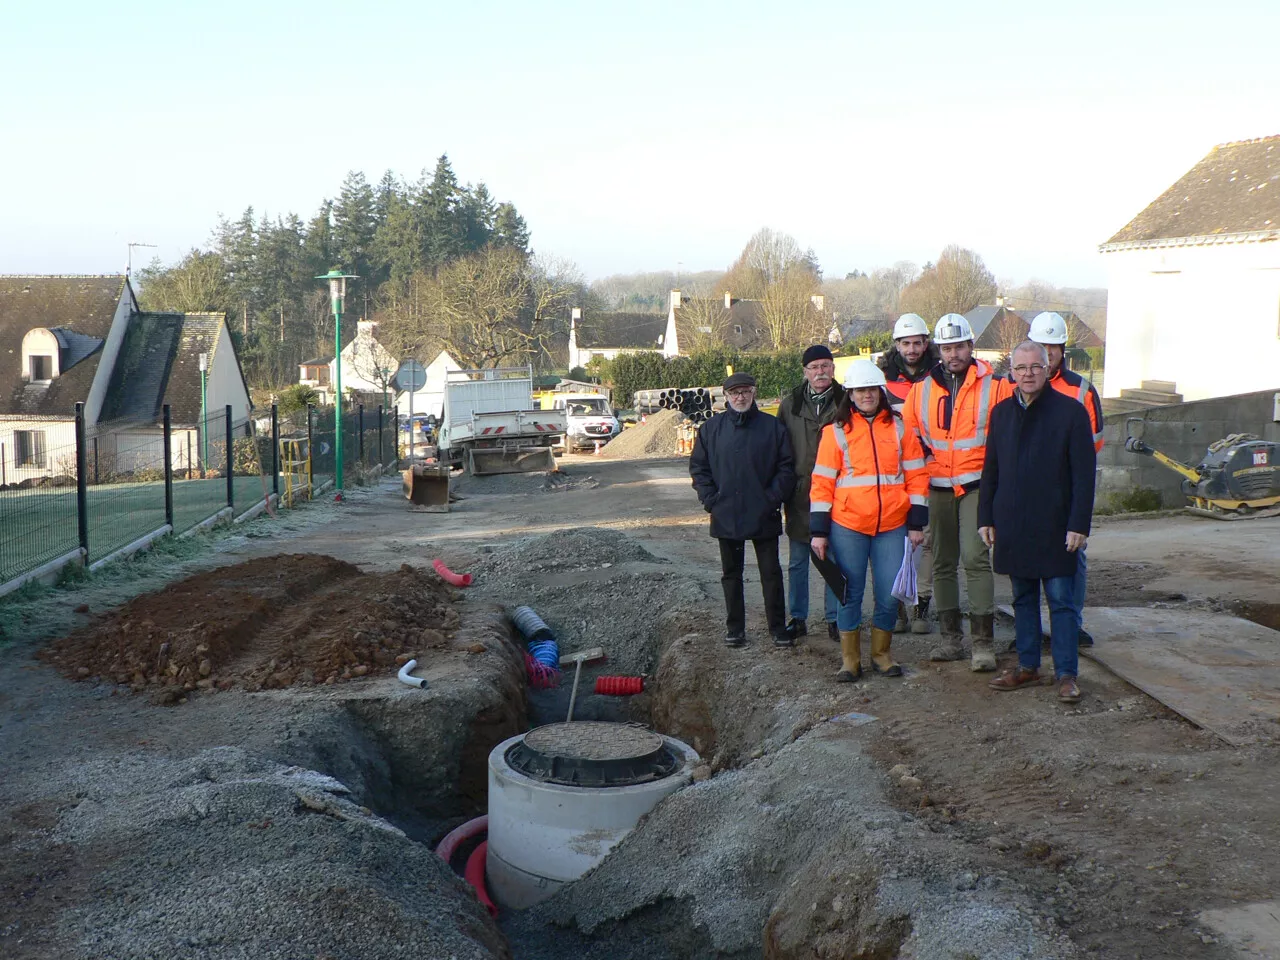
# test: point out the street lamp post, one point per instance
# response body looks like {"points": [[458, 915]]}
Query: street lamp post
{"points": [[204, 411], [337, 293]]}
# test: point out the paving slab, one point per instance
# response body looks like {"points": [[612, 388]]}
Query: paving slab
{"points": [[1220, 672]]}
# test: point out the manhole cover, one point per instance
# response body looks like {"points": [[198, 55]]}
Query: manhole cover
{"points": [[593, 754]]}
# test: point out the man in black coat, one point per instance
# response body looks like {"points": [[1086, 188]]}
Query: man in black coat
{"points": [[743, 471], [1034, 509]]}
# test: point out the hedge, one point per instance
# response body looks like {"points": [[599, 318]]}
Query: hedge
{"points": [[776, 373]]}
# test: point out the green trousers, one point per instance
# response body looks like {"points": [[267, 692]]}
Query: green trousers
{"points": [[953, 522]]}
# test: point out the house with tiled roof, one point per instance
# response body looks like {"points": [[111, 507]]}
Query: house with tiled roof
{"points": [[727, 320], [1201, 262], [606, 335], [78, 339]]}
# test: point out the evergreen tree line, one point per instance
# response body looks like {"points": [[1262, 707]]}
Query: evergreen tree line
{"points": [[260, 270]]}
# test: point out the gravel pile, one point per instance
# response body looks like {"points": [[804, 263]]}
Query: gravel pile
{"points": [[226, 855], [264, 624], [586, 548], [656, 437]]}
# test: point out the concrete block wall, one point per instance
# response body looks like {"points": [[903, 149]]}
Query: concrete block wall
{"points": [[1182, 431]]}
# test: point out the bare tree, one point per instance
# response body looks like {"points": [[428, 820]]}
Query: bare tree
{"points": [[957, 283], [787, 310], [704, 322], [766, 259]]}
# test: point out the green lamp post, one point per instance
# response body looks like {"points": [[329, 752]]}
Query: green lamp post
{"points": [[337, 293], [204, 412]]}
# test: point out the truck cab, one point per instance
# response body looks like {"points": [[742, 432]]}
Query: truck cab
{"points": [[588, 417]]}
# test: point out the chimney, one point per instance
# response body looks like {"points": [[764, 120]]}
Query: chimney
{"points": [[999, 301], [675, 300], [576, 315], [365, 328], [728, 300], [817, 300]]}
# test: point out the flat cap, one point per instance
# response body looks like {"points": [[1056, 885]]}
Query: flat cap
{"points": [[739, 380]]}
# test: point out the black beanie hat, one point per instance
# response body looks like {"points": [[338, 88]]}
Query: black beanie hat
{"points": [[816, 352]]}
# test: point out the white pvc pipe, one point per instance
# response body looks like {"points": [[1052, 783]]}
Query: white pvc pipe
{"points": [[404, 677]]}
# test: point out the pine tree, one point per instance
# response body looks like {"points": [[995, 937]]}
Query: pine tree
{"points": [[444, 235], [509, 228], [353, 226], [477, 213]]}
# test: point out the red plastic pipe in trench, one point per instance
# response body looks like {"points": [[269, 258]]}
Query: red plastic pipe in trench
{"points": [[475, 876], [448, 576], [620, 686], [447, 847]]}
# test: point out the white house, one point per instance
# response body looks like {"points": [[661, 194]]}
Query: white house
{"points": [[430, 399], [84, 339], [367, 366], [1197, 273], [606, 335]]}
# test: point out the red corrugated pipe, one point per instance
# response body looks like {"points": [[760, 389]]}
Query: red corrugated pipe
{"points": [[447, 847], [448, 576], [475, 876], [620, 686]]}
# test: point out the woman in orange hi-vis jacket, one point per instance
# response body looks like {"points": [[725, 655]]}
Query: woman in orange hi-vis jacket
{"points": [[870, 493]]}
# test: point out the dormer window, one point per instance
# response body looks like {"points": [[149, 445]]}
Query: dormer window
{"points": [[41, 355], [41, 367]]}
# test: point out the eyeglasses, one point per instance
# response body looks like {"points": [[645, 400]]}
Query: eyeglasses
{"points": [[1021, 370], [740, 392]]}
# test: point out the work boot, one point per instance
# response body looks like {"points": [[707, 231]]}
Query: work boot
{"points": [[900, 625], [952, 646], [833, 632], [881, 662], [797, 628], [850, 656], [920, 622], [982, 628]]}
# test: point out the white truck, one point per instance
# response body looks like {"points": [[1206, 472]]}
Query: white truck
{"points": [[588, 417], [490, 423]]}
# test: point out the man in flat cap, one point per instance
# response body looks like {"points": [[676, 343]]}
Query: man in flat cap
{"points": [[743, 473]]}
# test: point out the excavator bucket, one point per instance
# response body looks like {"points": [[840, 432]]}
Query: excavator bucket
{"points": [[482, 461], [426, 486]]}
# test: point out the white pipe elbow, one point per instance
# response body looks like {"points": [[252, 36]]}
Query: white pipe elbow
{"points": [[404, 677]]}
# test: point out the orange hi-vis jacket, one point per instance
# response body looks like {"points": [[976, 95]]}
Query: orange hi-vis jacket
{"points": [[953, 431], [870, 476], [1071, 384]]}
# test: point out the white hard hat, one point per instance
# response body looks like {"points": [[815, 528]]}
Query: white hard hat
{"points": [[1048, 327], [952, 328], [863, 373], [910, 325]]}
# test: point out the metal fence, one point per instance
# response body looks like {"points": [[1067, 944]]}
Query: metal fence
{"points": [[100, 488]]}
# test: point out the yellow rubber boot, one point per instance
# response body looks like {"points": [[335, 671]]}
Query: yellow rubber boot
{"points": [[881, 662], [850, 656]]}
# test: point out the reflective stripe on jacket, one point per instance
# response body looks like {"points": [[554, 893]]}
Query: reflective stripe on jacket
{"points": [[954, 431], [1071, 384], [870, 476]]}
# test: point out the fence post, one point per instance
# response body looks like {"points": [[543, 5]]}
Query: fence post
{"points": [[380, 460], [231, 486], [168, 469], [95, 461], [360, 427], [395, 435], [275, 450], [82, 483], [311, 479]]}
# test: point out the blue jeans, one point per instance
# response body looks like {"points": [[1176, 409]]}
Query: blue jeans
{"points": [[798, 583], [852, 550], [1060, 592], [1078, 586]]}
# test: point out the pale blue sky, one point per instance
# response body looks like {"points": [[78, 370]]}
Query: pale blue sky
{"points": [[632, 137]]}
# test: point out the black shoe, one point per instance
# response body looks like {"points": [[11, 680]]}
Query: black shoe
{"points": [[783, 640], [735, 640], [833, 632], [797, 628], [844, 676], [1085, 639]]}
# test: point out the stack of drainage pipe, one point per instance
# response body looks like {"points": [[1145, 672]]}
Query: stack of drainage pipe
{"points": [[696, 403], [542, 659]]}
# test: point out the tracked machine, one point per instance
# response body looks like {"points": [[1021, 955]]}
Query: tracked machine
{"points": [[1238, 477]]}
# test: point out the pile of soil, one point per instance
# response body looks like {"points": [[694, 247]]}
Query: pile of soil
{"points": [[656, 437], [268, 623]]}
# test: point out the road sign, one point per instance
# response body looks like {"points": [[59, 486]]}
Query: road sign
{"points": [[411, 376]]}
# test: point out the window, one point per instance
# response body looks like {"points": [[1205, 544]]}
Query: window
{"points": [[30, 444], [41, 367], [737, 329]]}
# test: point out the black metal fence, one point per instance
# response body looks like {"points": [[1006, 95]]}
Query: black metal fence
{"points": [[71, 490]]}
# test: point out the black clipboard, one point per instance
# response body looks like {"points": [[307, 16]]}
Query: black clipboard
{"points": [[830, 571]]}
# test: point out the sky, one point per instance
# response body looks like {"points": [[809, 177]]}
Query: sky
{"points": [[631, 136]]}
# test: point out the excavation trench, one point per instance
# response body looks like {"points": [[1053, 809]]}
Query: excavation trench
{"points": [[791, 841]]}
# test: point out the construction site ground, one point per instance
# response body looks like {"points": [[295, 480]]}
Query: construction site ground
{"points": [[288, 806]]}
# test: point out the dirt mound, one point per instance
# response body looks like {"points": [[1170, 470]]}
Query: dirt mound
{"points": [[656, 437], [581, 549], [267, 623]]}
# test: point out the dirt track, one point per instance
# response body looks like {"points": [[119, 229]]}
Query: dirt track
{"points": [[1119, 818]]}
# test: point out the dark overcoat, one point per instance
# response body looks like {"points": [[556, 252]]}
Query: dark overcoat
{"points": [[1037, 484], [804, 427], [743, 472]]}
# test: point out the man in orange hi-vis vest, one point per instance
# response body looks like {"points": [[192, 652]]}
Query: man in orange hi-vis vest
{"points": [[950, 411]]}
